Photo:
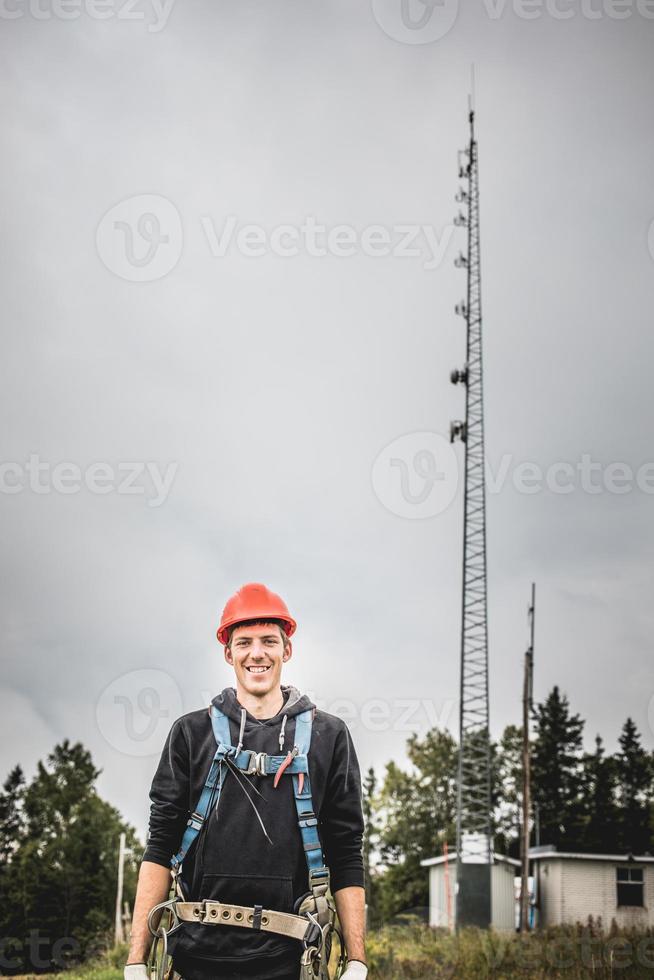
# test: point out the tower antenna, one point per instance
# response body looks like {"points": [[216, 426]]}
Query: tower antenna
{"points": [[473, 829]]}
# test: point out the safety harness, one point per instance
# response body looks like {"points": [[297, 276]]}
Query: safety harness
{"points": [[315, 922]]}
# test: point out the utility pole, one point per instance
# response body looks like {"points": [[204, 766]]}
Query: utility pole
{"points": [[123, 851], [473, 830], [527, 708]]}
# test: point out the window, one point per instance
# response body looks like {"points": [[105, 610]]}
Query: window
{"points": [[630, 886]]}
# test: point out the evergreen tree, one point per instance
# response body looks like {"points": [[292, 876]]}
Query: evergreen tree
{"points": [[370, 837], [600, 830], [418, 816], [59, 885], [11, 805], [508, 809], [634, 778], [557, 772]]}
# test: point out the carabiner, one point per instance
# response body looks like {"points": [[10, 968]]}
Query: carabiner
{"points": [[168, 905]]}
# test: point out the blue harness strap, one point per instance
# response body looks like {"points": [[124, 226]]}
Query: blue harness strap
{"points": [[212, 789], [261, 764], [306, 818]]}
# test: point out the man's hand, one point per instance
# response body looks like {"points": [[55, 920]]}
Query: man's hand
{"points": [[356, 970], [136, 971]]}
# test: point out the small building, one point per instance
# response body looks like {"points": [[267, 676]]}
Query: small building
{"points": [[571, 887], [442, 882]]}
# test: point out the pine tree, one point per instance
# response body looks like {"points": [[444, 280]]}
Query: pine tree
{"points": [[370, 836], [418, 811], [634, 777], [60, 881], [11, 819], [508, 810], [600, 830], [557, 772]]}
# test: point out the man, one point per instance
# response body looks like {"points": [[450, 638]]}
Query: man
{"points": [[259, 800]]}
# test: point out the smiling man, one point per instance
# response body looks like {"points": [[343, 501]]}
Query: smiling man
{"points": [[256, 809]]}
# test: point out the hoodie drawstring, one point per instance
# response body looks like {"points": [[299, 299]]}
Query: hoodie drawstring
{"points": [[241, 731], [238, 776]]}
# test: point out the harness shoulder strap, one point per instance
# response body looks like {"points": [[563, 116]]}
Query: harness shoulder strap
{"points": [[212, 787], [220, 725], [307, 819]]}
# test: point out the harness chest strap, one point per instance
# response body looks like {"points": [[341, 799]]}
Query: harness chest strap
{"points": [[262, 764]]}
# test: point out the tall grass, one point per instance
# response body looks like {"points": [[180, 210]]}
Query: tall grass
{"points": [[416, 952], [575, 952]]}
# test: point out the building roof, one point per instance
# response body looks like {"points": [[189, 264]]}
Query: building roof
{"points": [[537, 853], [497, 858]]}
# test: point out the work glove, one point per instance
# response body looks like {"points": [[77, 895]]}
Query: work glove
{"points": [[356, 970], [136, 971]]}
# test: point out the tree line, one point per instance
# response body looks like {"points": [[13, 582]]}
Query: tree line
{"points": [[582, 801], [59, 839]]}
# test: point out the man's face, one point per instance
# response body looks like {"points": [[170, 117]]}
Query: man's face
{"points": [[257, 653]]}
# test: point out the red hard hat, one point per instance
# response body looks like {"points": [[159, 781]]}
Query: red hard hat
{"points": [[254, 601]]}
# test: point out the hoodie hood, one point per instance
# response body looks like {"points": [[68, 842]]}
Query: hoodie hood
{"points": [[294, 704]]}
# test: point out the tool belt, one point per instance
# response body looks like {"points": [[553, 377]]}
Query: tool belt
{"points": [[314, 927]]}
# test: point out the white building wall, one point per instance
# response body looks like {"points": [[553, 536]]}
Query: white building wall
{"points": [[572, 890], [437, 896], [503, 897], [548, 883]]}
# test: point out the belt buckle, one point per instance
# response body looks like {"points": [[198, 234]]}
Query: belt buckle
{"points": [[256, 764], [200, 910]]}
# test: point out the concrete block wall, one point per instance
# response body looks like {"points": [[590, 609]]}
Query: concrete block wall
{"points": [[572, 890]]}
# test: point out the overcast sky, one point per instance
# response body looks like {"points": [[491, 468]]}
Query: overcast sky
{"points": [[268, 389]]}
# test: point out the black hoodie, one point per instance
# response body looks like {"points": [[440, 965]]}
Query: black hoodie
{"points": [[232, 859]]}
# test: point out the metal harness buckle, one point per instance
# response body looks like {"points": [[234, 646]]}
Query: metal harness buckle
{"points": [[257, 764], [200, 913]]}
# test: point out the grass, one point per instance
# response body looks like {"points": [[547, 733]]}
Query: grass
{"points": [[415, 952], [574, 953]]}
